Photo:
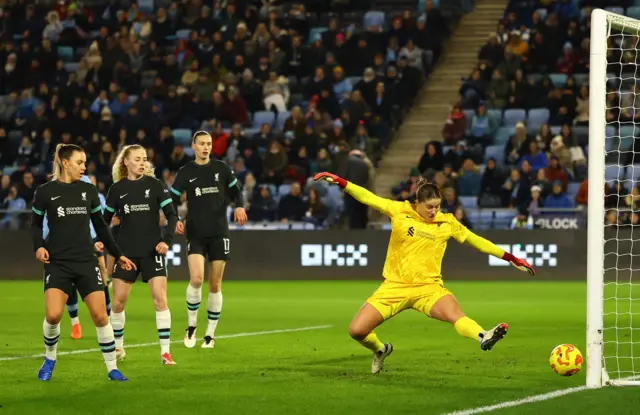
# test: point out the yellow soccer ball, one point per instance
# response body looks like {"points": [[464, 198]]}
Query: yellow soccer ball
{"points": [[566, 360]]}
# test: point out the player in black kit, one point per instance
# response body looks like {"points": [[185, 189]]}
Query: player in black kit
{"points": [[209, 186], [137, 196], [68, 253]]}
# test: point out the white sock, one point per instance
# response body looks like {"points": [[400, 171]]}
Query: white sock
{"points": [[75, 320], [163, 323], [51, 336], [117, 322], [108, 346], [194, 298], [214, 307]]}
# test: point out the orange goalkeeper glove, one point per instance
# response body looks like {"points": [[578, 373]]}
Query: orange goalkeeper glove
{"points": [[331, 178], [521, 264]]}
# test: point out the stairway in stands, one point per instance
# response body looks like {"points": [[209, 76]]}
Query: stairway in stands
{"points": [[426, 119]]}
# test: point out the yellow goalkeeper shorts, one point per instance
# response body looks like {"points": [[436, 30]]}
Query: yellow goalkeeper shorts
{"points": [[392, 297]]}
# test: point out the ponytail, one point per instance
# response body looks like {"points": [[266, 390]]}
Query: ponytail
{"points": [[63, 152], [119, 170]]}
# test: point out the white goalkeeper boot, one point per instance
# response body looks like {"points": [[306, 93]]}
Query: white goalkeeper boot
{"points": [[378, 358], [493, 336]]}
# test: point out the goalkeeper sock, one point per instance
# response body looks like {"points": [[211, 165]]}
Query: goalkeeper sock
{"points": [[372, 342], [468, 328]]}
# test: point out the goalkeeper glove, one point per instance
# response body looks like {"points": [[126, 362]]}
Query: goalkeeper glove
{"points": [[331, 178], [521, 264]]}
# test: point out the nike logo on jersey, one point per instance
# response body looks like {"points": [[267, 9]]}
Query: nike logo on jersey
{"points": [[408, 217], [193, 180], [54, 198], [121, 196], [159, 269]]}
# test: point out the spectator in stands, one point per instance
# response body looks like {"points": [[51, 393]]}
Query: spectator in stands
{"points": [[536, 201], [275, 164], [248, 189], [536, 159], [517, 144], [557, 199], [491, 183], [582, 197], [611, 218], [544, 137], [522, 220], [263, 207], [14, 205], [455, 127], [469, 179], [27, 188], [511, 189], [582, 107], [482, 128], [432, 159], [555, 172], [542, 182], [617, 195], [449, 200], [291, 206], [461, 215], [317, 213]]}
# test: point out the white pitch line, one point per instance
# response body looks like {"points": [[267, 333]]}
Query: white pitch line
{"points": [[130, 346], [518, 402]]}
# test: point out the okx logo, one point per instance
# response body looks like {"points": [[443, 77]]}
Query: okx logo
{"points": [[536, 254], [411, 231], [328, 255]]}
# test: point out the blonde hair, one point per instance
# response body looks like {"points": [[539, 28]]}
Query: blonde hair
{"points": [[119, 170], [63, 152]]}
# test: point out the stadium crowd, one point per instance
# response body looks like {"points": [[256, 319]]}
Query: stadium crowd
{"points": [[515, 145], [285, 92]]}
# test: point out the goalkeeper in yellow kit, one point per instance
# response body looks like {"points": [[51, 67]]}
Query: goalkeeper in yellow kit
{"points": [[412, 269]]}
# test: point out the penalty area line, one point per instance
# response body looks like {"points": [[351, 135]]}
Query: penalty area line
{"points": [[135, 345], [517, 402]]}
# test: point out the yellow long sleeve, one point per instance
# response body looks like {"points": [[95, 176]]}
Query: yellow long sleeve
{"points": [[483, 245], [366, 197]]}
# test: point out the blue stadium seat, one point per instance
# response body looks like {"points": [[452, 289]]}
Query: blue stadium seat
{"points": [[65, 53], [558, 79], [354, 80], [189, 151], [9, 170], [614, 172], [514, 116], [613, 81], [146, 6], [284, 189], [537, 117], [282, 117], [627, 135], [496, 152], [71, 67], [468, 201], [316, 31], [502, 136], [503, 218], [616, 10], [496, 115], [633, 171], [373, 18], [610, 140], [543, 13], [15, 136], [183, 34], [572, 189], [263, 117], [182, 136], [581, 78]]}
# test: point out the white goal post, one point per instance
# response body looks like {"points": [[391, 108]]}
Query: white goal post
{"points": [[610, 357]]}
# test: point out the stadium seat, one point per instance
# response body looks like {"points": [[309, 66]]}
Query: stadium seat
{"points": [[189, 151], [65, 53], [9, 170], [627, 135], [354, 80], [543, 13], [71, 67], [183, 34], [572, 189], [496, 115], [283, 190], [263, 117], [182, 136], [614, 172], [558, 79], [496, 152], [502, 218], [536, 117], [581, 78], [373, 18], [614, 9], [468, 201], [146, 6], [316, 31], [514, 116], [15, 136], [281, 119], [502, 136]]}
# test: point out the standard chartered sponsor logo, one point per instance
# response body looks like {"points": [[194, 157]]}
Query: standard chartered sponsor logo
{"points": [[143, 207], [206, 190], [75, 210]]}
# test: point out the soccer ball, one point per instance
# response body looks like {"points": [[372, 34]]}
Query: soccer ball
{"points": [[566, 360]]}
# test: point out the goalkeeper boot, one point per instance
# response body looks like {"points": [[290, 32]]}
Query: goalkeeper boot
{"points": [[493, 336], [46, 370], [378, 358]]}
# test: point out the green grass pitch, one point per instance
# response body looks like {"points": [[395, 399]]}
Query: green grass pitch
{"points": [[318, 371]]}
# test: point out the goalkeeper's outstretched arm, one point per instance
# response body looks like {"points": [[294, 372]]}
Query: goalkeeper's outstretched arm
{"points": [[487, 247], [361, 194]]}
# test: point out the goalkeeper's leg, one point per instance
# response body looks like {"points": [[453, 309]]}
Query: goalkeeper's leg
{"points": [[448, 309], [361, 330]]}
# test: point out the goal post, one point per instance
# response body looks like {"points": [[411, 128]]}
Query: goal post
{"points": [[610, 358]]}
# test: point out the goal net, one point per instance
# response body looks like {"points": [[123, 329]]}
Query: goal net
{"points": [[613, 276]]}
